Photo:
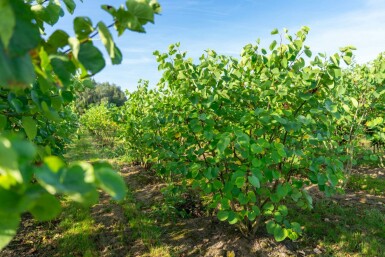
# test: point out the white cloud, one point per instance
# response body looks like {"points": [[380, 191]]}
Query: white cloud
{"points": [[363, 29]]}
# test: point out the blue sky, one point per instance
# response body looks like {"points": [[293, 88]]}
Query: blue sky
{"points": [[226, 26]]}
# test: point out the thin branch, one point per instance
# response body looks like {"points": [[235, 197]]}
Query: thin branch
{"points": [[91, 36]]}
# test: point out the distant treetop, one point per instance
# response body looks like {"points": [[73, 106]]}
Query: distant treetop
{"points": [[100, 92]]}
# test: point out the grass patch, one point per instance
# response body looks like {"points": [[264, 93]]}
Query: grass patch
{"points": [[143, 226], [82, 148], [374, 186], [85, 147], [341, 230], [148, 226], [77, 228]]}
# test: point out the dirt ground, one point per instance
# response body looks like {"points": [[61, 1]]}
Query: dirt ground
{"points": [[195, 236]]}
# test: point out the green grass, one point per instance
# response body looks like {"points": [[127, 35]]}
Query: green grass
{"points": [[374, 186], [77, 228], [83, 148], [342, 230], [143, 226]]}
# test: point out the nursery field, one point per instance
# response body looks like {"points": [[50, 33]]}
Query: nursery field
{"points": [[278, 151]]}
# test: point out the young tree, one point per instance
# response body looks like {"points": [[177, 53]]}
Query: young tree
{"points": [[251, 134]]}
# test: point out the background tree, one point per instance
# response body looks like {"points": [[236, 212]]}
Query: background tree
{"points": [[104, 92]]}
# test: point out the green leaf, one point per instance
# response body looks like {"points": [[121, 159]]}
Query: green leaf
{"points": [[75, 46], [256, 162], [296, 195], [280, 233], [30, 127], [242, 199], [283, 210], [63, 68], [194, 169], [225, 203], [7, 24], [296, 227], [52, 13], [308, 53], [255, 211], [308, 198], [223, 143], [232, 218], [112, 50], [337, 73], [17, 105], [223, 215], [274, 31], [54, 163], [8, 159], [10, 201], [281, 152], [26, 34], [270, 226], [15, 71], [75, 183], [207, 173], [292, 235], [347, 59], [282, 191], [25, 150], [268, 206], [254, 181], [256, 148], [83, 27], [335, 59], [46, 207], [272, 45], [280, 149], [67, 96], [3, 122], [275, 198], [71, 5], [322, 179], [91, 58], [240, 181], [141, 10], [276, 156], [58, 39], [354, 102], [217, 184], [111, 182], [9, 223], [49, 112], [251, 196], [278, 216]]}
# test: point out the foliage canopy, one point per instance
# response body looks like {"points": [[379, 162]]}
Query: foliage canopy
{"points": [[38, 80]]}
